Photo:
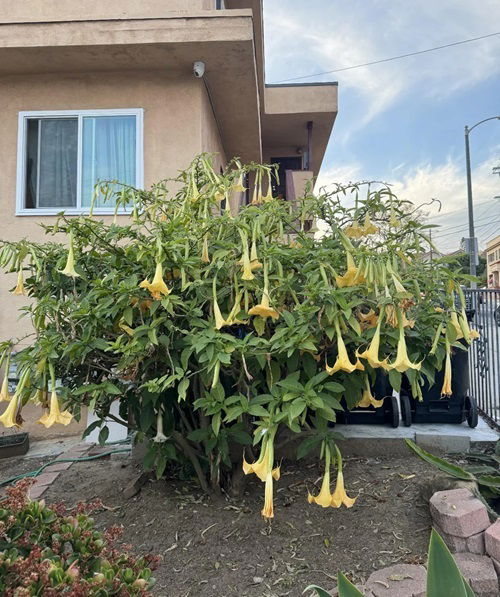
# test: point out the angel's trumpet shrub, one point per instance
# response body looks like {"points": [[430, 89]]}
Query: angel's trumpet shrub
{"points": [[10, 417], [55, 415], [368, 399], [371, 354], [69, 269], [254, 257], [342, 363], [352, 277], [263, 309], [19, 289], [158, 287], [339, 496], [269, 195], [324, 497], [220, 322], [402, 362]]}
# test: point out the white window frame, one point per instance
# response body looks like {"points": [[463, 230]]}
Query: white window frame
{"points": [[22, 210]]}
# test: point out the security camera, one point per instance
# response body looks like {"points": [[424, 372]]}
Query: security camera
{"points": [[198, 69]]}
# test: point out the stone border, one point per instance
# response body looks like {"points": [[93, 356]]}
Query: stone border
{"points": [[45, 479]]}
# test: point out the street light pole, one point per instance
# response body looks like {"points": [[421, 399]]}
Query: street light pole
{"points": [[470, 206]]}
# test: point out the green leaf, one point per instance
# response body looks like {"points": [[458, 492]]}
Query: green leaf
{"points": [[443, 575], [320, 592], [395, 378], [182, 388], [296, 408], [161, 463], [334, 387], [259, 324], [442, 465], [91, 428], [103, 435], [216, 419], [258, 411], [489, 480], [307, 445], [346, 588]]}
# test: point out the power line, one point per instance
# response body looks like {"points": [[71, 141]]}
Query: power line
{"points": [[464, 228], [416, 53], [446, 228]]}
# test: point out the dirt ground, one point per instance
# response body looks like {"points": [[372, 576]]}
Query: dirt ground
{"points": [[224, 548]]}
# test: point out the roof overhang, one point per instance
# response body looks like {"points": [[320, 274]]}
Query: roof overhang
{"points": [[288, 109], [224, 40]]}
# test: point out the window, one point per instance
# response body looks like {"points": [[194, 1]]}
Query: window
{"points": [[61, 156]]}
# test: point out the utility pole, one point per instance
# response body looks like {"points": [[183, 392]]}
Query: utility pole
{"points": [[472, 241]]}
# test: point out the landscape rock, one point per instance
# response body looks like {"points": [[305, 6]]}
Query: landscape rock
{"points": [[400, 580], [135, 485], [479, 572], [458, 513], [492, 540], [472, 544]]}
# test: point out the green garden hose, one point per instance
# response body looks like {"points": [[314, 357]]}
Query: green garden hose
{"points": [[82, 459]]}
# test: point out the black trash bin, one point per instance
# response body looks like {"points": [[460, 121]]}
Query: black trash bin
{"points": [[436, 409], [387, 414]]}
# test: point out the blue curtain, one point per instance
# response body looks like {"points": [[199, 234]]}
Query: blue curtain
{"points": [[109, 153]]}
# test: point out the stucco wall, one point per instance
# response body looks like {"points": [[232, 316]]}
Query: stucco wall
{"points": [[210, 136], [172, 136], [74, 10]]}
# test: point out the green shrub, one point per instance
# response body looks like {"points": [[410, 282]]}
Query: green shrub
{"points": [[50, 551]]}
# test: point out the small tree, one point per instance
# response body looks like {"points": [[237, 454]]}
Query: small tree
{"points": [[216, 331]]}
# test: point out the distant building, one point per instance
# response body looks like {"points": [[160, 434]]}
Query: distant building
{"points": [[493, 262]]}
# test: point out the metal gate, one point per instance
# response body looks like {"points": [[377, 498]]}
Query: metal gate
{"points": [[484, 354]]}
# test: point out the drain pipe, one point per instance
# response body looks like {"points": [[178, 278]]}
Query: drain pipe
{"points": [[309, 144]]}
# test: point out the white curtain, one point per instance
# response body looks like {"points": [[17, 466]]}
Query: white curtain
{"points": [[109, 153], [58, 158]]}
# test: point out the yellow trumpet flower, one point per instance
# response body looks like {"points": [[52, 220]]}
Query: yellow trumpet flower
{"points": [[10, 417], [354, 230], [245, 257], [55, 415], [393, 220], [205, 257], [324, 497], [369, 227], [371, 354], [69, 270], [160, 437], [474, 334], [19, 289], [342, 363], [352, 276], [398, 286], [446, 389], [263, 468], [402, 362], [456, 324], [254, 257], [4, 392], [368, 399], [391, 316], [158, 287], [263, 309], [238, 186], [268, 509], [368, 320], [339, 496], [269, 195]]}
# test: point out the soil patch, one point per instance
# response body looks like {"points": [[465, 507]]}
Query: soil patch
{"points": [[224, 548]]}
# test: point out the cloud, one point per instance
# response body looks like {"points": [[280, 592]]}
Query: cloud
{"points": [[327, 35], [445, 182]]}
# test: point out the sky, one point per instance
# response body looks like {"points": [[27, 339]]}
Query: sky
{"points": [[403, 121]]}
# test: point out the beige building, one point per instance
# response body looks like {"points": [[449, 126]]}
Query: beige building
{"points": [[110, 90], [493, 262]]}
